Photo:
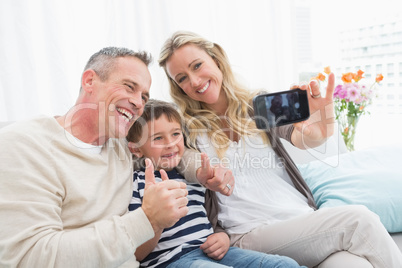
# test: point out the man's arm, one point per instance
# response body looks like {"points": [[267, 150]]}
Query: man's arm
{"points": [[32, 199], [168, 199]]}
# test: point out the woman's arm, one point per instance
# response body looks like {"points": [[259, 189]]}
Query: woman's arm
{"points": [[195, 167], [189, 165]]}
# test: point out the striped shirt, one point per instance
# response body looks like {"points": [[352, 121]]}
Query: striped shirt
{"points": [[187, 234]]}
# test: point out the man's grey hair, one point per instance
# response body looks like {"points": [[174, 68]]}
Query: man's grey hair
{"points": [[103, 61]]}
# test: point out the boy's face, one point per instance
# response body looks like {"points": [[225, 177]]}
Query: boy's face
{"points": [[164, 144]]}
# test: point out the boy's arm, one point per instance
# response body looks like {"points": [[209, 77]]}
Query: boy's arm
{"points": [[146, 248], [217, 244]]}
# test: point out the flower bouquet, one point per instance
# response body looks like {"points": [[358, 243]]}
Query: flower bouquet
{"points": [[350, 101]]}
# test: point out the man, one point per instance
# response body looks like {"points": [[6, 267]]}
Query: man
{"points": [[66, 182]]}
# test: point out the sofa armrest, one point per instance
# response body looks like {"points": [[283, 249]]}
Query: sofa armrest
{"points": [[5, 123]]}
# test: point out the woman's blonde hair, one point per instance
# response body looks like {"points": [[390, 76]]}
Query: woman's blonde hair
{"points": [[200, 118]]}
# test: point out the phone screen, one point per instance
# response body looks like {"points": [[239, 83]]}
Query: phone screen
{"points": [[281, 108]]}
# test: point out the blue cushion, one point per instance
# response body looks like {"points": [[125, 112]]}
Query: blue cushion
{"points": [[370, 177]]}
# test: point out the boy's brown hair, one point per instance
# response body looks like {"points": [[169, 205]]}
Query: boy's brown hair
{"points": [[153, 110]]}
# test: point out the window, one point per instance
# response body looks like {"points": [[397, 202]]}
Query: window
{"points": [[378, 68], [390, 97]]}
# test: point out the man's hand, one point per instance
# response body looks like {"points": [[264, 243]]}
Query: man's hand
{"points": [[216, 178], [216, 246], [165, 202]]}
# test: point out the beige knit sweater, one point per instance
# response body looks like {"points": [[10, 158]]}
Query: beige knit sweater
{"points": [[63, 207]]}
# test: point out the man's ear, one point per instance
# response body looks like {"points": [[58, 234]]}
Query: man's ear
{"points": [[87, 80], [134, 149]]}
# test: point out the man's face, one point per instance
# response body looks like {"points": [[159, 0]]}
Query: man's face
{"points": [[122, 96]]}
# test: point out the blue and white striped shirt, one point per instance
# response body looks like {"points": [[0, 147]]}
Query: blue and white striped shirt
{"points": [[187, 234]]}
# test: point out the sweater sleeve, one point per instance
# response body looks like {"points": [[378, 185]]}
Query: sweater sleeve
{"points": [[109, 243], [32, 198], [285, 132]]}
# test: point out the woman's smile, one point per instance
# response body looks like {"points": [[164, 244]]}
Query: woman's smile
{"points": [[205, 87]]}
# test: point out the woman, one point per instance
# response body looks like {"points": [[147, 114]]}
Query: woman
{"points": [[271, 209]]}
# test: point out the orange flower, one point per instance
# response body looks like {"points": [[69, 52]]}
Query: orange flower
{"points": [[347, 77], [358, 75], [379, 78], [320, 77], [327, 70], [361, 108], [346, 130]]}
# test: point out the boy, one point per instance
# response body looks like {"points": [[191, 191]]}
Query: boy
{"points": [[157, 135]]}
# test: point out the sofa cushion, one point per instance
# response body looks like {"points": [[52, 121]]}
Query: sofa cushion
{"points": [[370, 177]]}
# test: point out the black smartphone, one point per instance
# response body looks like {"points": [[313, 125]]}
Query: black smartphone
{"points": [[281, 108]]}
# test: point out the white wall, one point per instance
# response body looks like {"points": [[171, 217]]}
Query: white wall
{"points": [[45, 44]]}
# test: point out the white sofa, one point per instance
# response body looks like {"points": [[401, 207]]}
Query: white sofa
{"points": [[333, 146], [3, 124]]}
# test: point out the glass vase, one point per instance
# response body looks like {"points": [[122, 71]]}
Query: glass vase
{"points": [[349, 132]]}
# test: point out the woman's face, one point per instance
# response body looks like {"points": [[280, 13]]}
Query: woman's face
{"points": [[196, 73]]}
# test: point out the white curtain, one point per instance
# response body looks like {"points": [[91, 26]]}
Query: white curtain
{"points": [[44, 44]]}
